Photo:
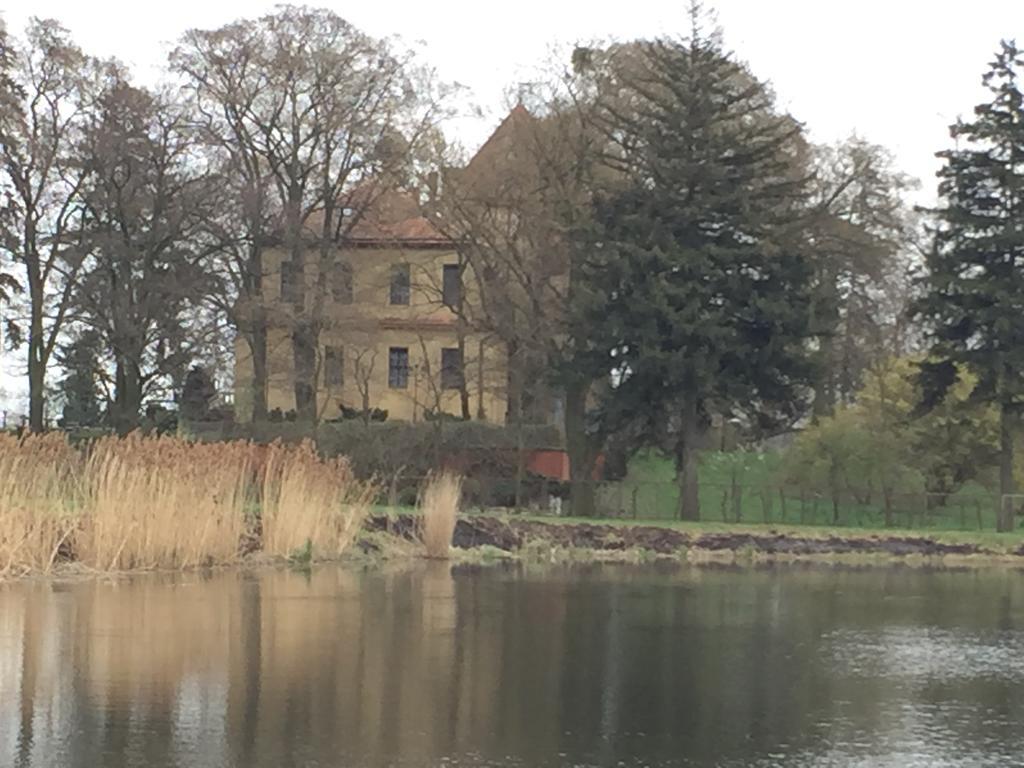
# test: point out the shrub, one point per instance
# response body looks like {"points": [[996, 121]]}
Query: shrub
{"points": [[355, 414]]}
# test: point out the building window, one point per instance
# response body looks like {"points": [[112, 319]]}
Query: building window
{"points": [[451, 288], [400, 284], [334, 366], [398, 367], [289, 282], [451, 368], [341, 282]]}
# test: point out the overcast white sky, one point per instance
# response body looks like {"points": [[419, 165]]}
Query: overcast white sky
{"points": [[895, 71]]}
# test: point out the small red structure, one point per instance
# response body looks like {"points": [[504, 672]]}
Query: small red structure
{"points": [[553, 463]]}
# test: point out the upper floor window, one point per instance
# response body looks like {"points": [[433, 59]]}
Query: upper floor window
{"points": [[451, 368], [341, 282], [400, 284], [334, 366], [451, 288], [398, 367], [290, 282]]}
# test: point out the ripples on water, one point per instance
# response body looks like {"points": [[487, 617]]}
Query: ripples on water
{"points": [[599, 666]]}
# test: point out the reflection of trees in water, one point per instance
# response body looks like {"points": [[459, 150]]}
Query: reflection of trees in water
{"points": [[413, 663]]}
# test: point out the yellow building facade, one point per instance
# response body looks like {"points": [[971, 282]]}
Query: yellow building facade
{"points": [[397, 334]]}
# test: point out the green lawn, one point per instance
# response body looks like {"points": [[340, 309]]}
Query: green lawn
{"points": [[649, 492]]}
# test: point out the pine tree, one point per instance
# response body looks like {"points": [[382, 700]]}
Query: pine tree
{"points": [[974, 304], [80, 359], [197, 394], [699, 292]]}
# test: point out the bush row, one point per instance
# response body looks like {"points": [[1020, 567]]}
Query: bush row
{"points": [[389, 448]]}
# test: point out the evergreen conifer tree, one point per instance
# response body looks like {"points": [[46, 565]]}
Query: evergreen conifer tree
{"points": [[699, 291], [80, 359], [974, 300], [197, 394]]}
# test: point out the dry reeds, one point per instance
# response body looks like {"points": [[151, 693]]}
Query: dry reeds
{"points": [[439, 509], [161, 502], [310, 504], [37, 504]]}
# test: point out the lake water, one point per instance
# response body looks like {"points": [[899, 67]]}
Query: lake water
{"points": [[516, 666]]}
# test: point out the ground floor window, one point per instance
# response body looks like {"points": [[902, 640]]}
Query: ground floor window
{"points": [[334, 366], [398, 367], [451, 368]]}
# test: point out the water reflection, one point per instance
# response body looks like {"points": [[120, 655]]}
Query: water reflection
{"points": [[415, 666]]}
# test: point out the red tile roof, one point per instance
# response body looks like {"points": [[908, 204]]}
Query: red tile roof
{"points": [[394, 216], [391, 217]]}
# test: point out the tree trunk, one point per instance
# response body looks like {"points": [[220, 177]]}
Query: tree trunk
{"points": [[1004, 520], [304, 343], [252, 321], [825, 322], [257, 341], [833, 485], [582, 450], [467, 412], [36, 382], [520, 463], [824, 391], [305, 335], [127, 397], [737, 495], [515, 386], [36, 353], [460, 328], [364, 393], [481, 411], [686, 463]]}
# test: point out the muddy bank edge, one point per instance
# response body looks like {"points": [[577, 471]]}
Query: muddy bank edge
{"points": [[514, 535]]}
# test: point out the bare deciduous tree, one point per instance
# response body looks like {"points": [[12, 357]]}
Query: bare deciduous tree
{"points": [[860, 234], [364, 360], [146, 201], [325, 119], [520, 212], [48, 91]]}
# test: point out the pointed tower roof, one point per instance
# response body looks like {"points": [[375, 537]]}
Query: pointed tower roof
{"points": [[499, 155]]}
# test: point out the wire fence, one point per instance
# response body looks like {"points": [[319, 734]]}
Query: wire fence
{"points": [[782, 505], [968, 510]]}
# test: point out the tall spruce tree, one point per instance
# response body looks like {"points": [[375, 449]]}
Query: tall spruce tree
{"points": [[699, 292], [81, 361], [974, 304]]}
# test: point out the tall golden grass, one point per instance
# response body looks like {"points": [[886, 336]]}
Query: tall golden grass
{"points": [[37, 501], [439, 510], [161, 502], [310, 502]]}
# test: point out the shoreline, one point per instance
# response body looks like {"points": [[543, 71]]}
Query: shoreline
{"points": [[529, 538], [481, 539]]}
